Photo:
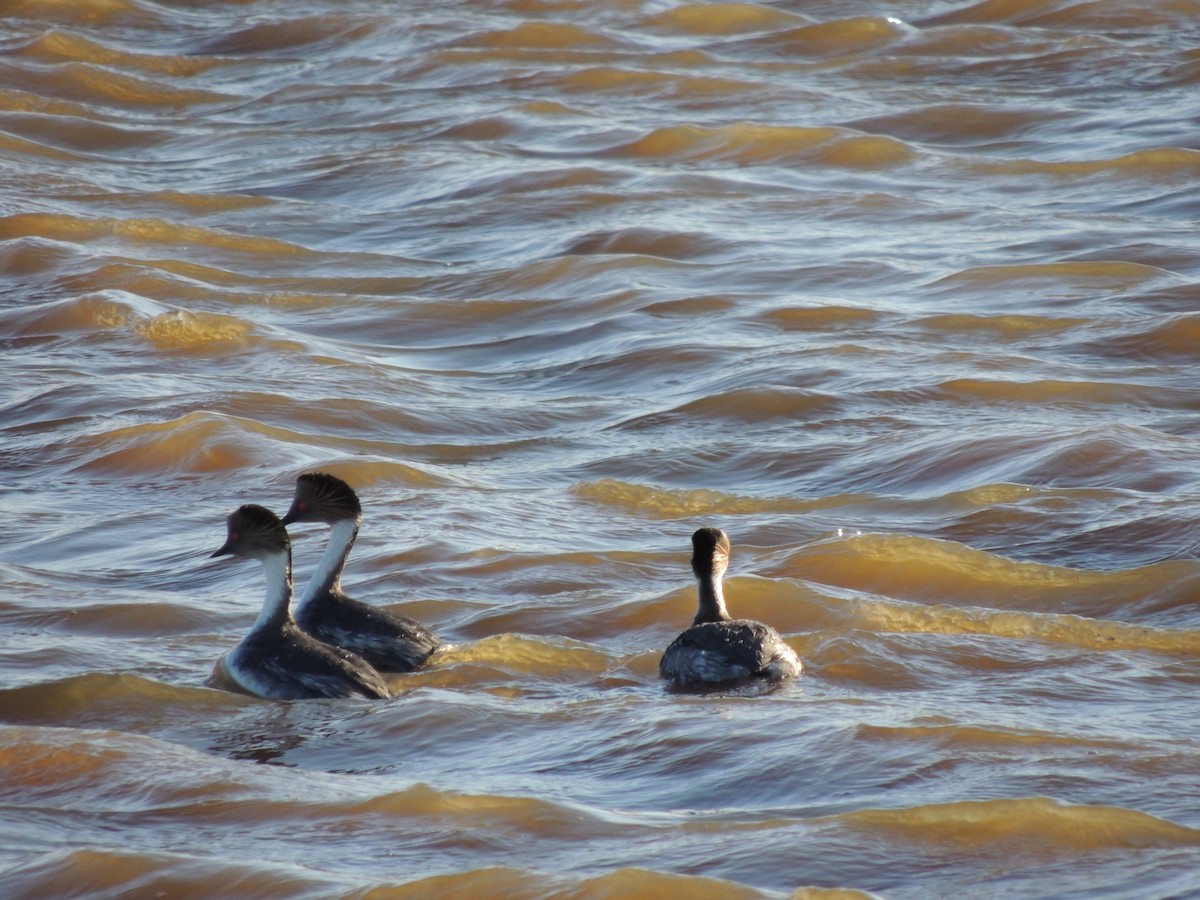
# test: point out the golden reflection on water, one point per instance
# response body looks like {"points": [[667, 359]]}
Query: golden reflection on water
{"points": [[904, 300]]}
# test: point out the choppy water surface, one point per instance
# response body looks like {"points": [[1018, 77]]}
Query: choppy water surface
{"points": [[904, 297]]}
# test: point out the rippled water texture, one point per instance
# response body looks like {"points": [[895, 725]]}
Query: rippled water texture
{"points": [[903, 297]]}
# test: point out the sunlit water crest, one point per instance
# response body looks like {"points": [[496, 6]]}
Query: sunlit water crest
{"points": [[904, 298]]}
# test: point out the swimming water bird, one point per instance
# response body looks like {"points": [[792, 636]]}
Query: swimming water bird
{"points": [[717, 648], [388, 641], [276, 659]]}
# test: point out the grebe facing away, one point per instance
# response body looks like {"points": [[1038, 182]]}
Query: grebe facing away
{"points": [[388, 641], [716, 648], [276, 659]]}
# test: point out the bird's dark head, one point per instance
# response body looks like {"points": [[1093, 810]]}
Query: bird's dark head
{"points": [[710, 552], [254, 532], [321, 497]]}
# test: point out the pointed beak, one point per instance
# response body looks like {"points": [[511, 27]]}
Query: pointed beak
{"points": [[224, 550]]}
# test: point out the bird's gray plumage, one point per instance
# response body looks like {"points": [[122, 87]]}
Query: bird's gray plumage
{"points": [[389, 641], [716, 648], [276, 659]]}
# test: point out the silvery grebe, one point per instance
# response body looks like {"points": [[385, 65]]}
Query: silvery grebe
{"points": [[716, 648], [387, 640], [276, 659]]}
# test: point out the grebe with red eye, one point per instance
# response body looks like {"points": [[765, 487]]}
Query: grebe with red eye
{"points": [[387, 640], [717, 648], [277, 660]]}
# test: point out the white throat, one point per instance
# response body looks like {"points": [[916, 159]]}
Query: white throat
{"points": [[328, 574], [277, 568], [711, 597]]}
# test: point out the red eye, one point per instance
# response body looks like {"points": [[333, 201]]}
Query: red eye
{"points": [[234, 536], [303, 504]]}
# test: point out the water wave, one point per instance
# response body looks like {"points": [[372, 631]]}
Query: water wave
{"points": [[749, 144], [1035, 825], [552, 288]]}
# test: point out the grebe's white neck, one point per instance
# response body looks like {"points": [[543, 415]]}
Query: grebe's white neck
{"points": [[327, 577], [278, 569], [711, 606]]}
